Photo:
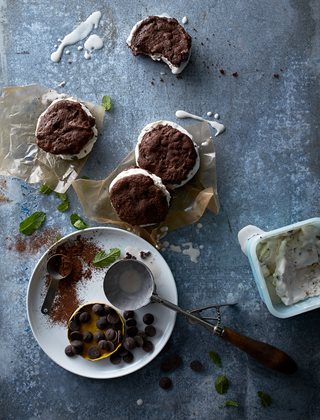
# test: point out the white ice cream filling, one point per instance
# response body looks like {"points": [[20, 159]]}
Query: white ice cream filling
{"points": [[159, 57], [152, 126], [138, 171], [89, 145]]}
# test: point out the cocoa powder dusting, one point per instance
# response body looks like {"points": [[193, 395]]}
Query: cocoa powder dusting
{"points": [[81, 253], [32, 244]]}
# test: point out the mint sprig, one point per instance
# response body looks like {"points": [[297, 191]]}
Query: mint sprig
{"points": [[102, 259], [215, 358], [265, 399], [106, 102], [77, 222], [221, 384], [32, 223]]}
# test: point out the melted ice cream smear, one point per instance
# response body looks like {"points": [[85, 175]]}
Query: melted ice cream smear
{"points": [[94, 42], [217, 126], [79, 33]]}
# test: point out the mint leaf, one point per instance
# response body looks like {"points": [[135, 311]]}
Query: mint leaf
{"points": [[221, 384], [102, 259], [265, 399], [44, 189], [32, 223], [215, 358], [64, 205], [77, 222], [106, 102], [230, 403], [84, 177]]}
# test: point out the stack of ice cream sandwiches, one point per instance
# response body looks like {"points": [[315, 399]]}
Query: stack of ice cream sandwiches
{"points": [[166, 158]]}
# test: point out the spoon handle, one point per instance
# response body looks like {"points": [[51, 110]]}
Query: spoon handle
{"points": [[48, 301], [264, 353]]}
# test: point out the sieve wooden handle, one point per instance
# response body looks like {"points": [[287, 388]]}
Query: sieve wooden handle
{"points": [[264, 353]]}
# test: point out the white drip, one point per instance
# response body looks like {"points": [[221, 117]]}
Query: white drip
{"points": [[217, 126], [94, 42], [79, 33]]}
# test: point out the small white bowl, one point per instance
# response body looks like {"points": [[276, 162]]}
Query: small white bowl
{"points": [[249, 237]]}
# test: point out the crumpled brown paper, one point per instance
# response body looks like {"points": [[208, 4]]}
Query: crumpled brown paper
{"points": [[188, 202], [20, 107]]}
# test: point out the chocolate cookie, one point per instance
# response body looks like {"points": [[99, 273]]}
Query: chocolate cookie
{"points": [[66, 128], [167, 150], [139, 198], [161, 38]]}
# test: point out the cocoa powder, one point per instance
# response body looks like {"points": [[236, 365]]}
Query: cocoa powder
{"points": [[34, 243], [81, 253]]}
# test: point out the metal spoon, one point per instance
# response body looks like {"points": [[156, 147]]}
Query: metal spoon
{"points": [[129, 285], [54, 264]]}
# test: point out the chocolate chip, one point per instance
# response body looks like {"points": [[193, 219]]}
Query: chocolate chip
{"points": [[87, 336], [128, 314], [145, 255], [129, 343], [99, 336], [171, 363], [150, 331], [148, 319], [165, 382], [130, 256], [143, 335], [94, 352], [76, 335], [74, 325], [113, 317], [128, 358], [131, 322], [110, 334], [147, 346], [69, 351], [84, 317], [196, 366], [98, 309], [106, 345], [77, 346], [115, 359], [122, 351], [138, 341], [131, 331], [102, 323]]}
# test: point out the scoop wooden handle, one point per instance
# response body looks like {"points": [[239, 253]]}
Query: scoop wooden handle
{"points": [[265, 354]]}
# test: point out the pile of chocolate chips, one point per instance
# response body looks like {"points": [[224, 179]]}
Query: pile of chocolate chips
{"points": [[134, 338], [94, 331]]}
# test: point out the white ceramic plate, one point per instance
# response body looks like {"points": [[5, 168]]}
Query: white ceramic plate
{"points": [[52, 338]]}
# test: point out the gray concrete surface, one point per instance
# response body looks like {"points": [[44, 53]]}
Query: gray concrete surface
{"points": [[268, 175]]}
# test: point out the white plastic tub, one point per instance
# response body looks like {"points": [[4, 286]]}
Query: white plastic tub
{"points": [[249, 237]]}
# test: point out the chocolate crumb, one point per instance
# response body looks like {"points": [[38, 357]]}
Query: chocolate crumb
{"points": [[276, 76], [178, 76], [222, 72], [196, 365], [235, 74], [165, 382]]}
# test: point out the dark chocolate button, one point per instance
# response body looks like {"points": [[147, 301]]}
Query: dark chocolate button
{"points": [[171, 363], [76, 335], [131, 331], [196, 366], [143, 335], [131, 322], [77, 346], [113, 317], [119, 336], [94, 352], [128, 314], [87, 336], [148, 319], [110, 346], [69, 351], [115, 359], [103, 344], [74, 325], [128, 358], [84, 317], [102, 323], [138, 341], [165, 382], [98, 309], [110, 334], [122, 351], [150, 331], [129, 343], [99, 336], [147, 346]]}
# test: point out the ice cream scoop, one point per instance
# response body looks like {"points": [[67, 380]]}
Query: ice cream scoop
{"points": [[130, 285]]}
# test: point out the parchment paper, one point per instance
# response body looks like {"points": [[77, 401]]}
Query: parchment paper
{"points": [[20, 107], [188, 202]]}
